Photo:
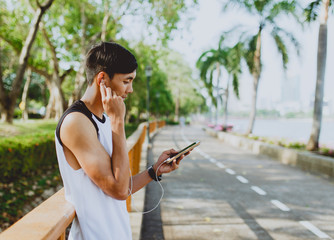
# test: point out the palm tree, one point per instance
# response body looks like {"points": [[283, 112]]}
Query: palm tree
{"points": [[233, 67], [311, 13], [267, 13], [211, 61]]}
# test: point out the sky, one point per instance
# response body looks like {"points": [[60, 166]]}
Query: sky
{"points": [[210, 21]]}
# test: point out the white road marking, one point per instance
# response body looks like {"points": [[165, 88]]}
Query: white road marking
{"points": [[314, 229], [258, 190], [220, 165], [213, 160], [230, 171], [242, 179], [280, 205]]}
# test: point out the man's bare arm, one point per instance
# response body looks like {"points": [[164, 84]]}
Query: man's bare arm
{"points": [[79, 136]]}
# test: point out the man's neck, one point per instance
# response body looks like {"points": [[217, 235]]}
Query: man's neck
{"points": [[92, 99]]}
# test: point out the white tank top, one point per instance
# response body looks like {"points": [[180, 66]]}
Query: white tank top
{"points": [[98, 216]]}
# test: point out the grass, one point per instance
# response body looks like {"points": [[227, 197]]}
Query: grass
{"points": [[23, 128]]}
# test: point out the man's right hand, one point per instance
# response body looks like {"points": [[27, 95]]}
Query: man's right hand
{"points": [[113, 105]]}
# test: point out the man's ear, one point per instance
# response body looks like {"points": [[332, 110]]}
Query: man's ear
{"points": [[100, 77]]}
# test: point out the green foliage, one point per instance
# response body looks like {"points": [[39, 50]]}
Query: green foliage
{"points": [[327, 151], [298, 114], [23, 155], [208, 63], [28, 165], [267, 113], [296, 145], [19, 195], [223, 56], [161, 101], [180, 82], [268, 13], [130, 128], [311, 12], [72, 27]]}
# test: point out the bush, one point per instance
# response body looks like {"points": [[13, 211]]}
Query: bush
{"points": [[24, 155], [171, 122]]}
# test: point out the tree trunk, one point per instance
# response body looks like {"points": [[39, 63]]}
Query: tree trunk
{"points": [[313, 142], [2, 92], [23, 61], [106, 17], [226, 104], [24, 101], [57, 103], [217, 92], [256, 77], [80, 78], [78, 82]]}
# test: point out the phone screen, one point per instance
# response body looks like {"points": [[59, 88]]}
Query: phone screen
{"points": [[183, 151]]}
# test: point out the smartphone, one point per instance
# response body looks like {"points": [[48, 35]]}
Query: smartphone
{"points": [[183, 151]]}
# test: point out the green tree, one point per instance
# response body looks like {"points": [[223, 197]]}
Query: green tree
{"points": [[160, 17], [181, 83], [268, 14], [312, 14], [69, 29], [8, 99], [211, 61]]}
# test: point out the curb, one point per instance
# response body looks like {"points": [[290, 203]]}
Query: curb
{"points": [[304, 160]]}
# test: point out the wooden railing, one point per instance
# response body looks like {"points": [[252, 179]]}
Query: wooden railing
{"points": [[51, 218], [134, 143]]}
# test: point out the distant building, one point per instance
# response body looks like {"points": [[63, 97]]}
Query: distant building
{"points": [[290, 89], [290, 96]]}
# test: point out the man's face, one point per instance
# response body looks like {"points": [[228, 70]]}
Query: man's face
{"points": [[122, 83]]}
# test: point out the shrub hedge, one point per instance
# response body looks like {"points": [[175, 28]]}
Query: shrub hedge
{"points": [[26, 155]]}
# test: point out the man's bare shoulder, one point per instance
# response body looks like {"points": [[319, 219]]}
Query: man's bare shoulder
{"points": [[76, 127]]}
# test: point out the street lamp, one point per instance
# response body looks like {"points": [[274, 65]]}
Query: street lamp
{"points": [[148, 73]]}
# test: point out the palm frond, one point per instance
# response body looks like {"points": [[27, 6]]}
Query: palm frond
{"points": [[260, 5], [311, 12], [210, 87], [290, 36], [249, 53], [282, 7], [235, 83], [281, 47], [248, 5]]}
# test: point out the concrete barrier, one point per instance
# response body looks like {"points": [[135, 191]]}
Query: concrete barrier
{"points": [[304, 160]]}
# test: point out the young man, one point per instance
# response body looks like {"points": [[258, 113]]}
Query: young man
{"points": [[91, 148]]}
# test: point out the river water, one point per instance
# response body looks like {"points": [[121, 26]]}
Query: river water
{"points": [[289, 129]]}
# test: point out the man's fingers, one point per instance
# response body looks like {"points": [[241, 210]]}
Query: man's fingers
{"points": [[114, 95], [109, 92], [170, 151], [187, 153], [102, 90], [175, 165]]}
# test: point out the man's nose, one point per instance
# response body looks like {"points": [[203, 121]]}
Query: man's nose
{"points": [[130, 89]]}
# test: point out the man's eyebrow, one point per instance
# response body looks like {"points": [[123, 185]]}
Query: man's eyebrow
{"points": [[130, 78]]}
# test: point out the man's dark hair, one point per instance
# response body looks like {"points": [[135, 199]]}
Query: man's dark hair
{"points": [[109, 57]]}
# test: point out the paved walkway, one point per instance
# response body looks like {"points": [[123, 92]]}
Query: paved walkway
{"points": [[220, 192]]}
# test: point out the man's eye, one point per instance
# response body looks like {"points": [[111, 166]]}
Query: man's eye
{"points": [[125, 82]]}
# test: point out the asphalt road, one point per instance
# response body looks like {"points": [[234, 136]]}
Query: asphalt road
{"points": [[221, 192]]}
